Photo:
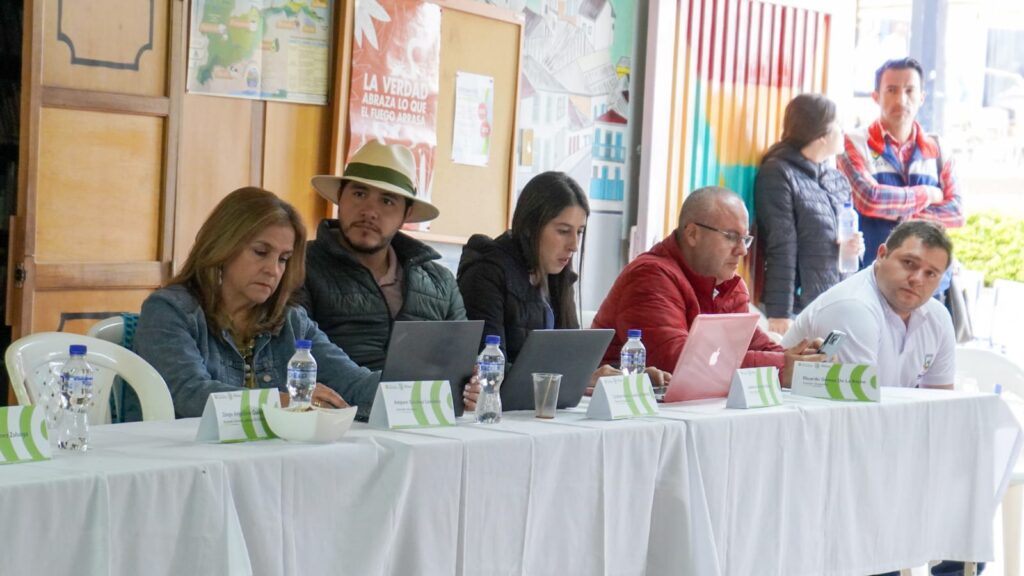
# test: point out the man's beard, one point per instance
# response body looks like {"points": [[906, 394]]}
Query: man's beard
{"points": [[367, 250]]}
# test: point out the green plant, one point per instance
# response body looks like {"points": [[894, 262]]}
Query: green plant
{"points": [[991, 243]]}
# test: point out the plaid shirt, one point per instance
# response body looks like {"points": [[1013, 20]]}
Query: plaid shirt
{"points": [[913, 164]]}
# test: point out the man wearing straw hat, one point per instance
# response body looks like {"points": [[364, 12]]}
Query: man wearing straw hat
{"points": [[361, 272]]}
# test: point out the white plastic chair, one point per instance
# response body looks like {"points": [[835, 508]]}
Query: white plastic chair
{"points": [[30, 359], [109, 329], [983, 369]]}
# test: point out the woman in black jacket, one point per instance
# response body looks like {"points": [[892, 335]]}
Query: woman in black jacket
{"points": [[798, 196], [523, 280]]}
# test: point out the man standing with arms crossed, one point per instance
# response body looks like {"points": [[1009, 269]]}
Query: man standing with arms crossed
{"points": [[896, 170]]}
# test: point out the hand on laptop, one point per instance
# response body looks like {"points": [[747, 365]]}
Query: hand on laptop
{"points": [[471, 391], [804, 351]]}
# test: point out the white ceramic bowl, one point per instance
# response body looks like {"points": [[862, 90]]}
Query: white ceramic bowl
{"points": [[316, 425]]}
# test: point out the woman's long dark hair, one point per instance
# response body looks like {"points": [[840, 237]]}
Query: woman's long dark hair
{"points": [[543, 198]]}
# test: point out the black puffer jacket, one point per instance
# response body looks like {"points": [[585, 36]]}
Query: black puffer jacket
{"points": [[495, 285], [798, 203], [342, 296]]}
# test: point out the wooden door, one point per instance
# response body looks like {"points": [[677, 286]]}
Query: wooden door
{"points": [[101, 94]]}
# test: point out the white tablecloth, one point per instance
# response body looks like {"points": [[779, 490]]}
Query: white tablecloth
{"points": [[812, 487]]}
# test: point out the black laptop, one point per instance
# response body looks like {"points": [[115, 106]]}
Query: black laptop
{"points": [[574, 354], [442, 350]]}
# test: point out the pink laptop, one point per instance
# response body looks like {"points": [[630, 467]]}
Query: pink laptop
{"points": [[712, 353]]}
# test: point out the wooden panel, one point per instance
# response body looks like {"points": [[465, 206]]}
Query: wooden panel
{"points": [[49, 306], [296, 147], [105, 101], [106, 45], [98, 187], [214, 159], [481, 45], [92, 275]]}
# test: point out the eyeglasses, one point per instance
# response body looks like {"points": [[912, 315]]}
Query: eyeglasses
{"points": [[730, 236]]}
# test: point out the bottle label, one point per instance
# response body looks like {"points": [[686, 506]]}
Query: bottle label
{"points": [[302, 373]]}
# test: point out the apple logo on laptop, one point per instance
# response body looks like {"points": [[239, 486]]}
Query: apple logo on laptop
{"points": [[714, 357]]}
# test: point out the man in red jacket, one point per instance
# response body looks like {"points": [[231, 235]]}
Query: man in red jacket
{"points": [[692, 271]]}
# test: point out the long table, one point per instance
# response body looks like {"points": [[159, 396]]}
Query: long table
{"points": [[811, 487]]}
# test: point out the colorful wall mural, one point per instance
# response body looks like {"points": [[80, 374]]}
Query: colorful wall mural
{"points": [[742, 64]]}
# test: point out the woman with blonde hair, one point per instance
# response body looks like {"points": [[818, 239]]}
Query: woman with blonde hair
{"points": [[227, 321]]}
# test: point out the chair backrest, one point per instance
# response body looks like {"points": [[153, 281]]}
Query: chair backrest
{"points": [[109, 329], [30, 360], [1009, 309], [986, 368]]}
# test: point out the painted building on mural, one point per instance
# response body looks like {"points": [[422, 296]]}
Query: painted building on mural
{"points": [[607, 180]]}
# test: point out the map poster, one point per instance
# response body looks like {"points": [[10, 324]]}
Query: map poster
{"points": [[395, 77], [260, 49]]}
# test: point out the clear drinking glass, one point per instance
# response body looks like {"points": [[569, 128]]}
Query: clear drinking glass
{"points": [[545, 393]]}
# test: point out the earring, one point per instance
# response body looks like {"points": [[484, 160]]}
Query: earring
{"points": [[220, 276]]}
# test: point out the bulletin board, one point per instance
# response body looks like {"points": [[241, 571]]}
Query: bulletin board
{"points": [[475, 199]]}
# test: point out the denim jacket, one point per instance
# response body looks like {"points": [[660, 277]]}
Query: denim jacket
{"points": [[174, 337]]}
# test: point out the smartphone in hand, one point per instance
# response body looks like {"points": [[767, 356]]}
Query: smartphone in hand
{"points": [[831, 343]]}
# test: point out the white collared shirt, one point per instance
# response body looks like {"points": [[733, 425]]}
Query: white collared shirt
{"points": [[921, 352]]}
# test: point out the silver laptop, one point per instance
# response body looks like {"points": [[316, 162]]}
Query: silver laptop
{"points": [[441, 350], [574, 354]]}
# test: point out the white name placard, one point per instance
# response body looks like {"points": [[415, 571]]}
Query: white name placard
{"points": [[755, 388], [23, 435], [237, 416], [414, 404], [836, 381], [617, 397]]}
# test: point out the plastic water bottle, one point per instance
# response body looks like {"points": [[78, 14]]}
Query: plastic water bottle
{"points": [[849, 225], [301, 375], [633, 357], [49, 402], [76, 399], [491, 364]]}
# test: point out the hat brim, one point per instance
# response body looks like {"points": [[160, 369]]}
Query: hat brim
{"points": [[328, 187]]}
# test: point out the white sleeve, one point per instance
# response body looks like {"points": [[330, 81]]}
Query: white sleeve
{"points": [[861, 325], [943, 368]]}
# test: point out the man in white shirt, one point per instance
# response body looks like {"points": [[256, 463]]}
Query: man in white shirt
{"points": [[887, 312]]}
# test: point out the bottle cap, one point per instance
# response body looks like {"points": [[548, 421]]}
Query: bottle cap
{"points": [[303, 344], [634, 333], [492, 340], [847, 204], [77, 350]]}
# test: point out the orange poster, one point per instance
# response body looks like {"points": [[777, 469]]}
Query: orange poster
{"points": [[395, 61]]}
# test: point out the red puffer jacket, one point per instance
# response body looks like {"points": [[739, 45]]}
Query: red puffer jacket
{"points": [[659, 294]]}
